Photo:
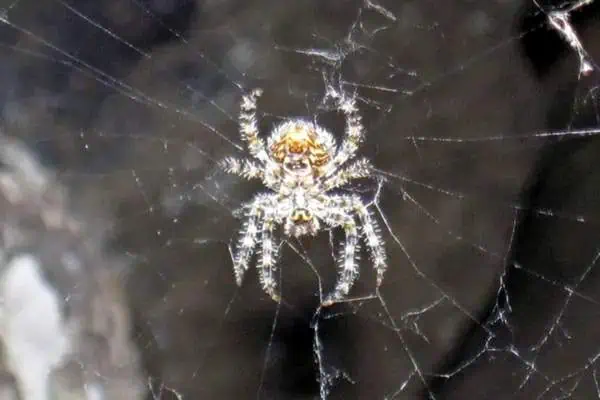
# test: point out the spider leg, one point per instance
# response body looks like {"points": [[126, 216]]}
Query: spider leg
{"points": [[361, 168], [353, 135], [372, 235], [348, 267], [245, 168], [266, 265], [247, 240], [249, 126]]}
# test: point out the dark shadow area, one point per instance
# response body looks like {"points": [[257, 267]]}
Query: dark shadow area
{"points": [[565, 181]]}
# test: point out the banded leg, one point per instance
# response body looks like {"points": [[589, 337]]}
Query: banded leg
{"points": [[358, 169], [249, 126], [348, 266], [371, 232], [247, 241], [266, 264], [242, 167], [354, 132]]}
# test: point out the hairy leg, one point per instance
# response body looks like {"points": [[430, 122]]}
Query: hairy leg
{"points": [[347, 262], [248, 238], [354, 132], [247, 169], [267, 262], [361, 168], [371, 232], [249, 126]]}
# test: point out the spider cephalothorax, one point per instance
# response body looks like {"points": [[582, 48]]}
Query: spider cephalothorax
{"points": [[302, 140], [301, 165]]}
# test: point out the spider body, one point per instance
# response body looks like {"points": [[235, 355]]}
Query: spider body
{"points": [[301, 165]]}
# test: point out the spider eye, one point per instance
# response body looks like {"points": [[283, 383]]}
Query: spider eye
{"points": [[297, 165]]}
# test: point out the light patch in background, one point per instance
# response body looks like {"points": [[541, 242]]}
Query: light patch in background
{"points": [[34, 337]]}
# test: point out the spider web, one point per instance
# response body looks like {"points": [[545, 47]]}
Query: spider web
{"points": [[481, 119]]}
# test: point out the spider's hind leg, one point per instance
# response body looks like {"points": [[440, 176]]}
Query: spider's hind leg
{"points": [[372, 235], [247, 241], [268, 257], [348, 266], [354, 130]]}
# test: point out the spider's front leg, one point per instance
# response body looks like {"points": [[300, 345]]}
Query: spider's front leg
{"points": [[354, 131], [249, 125]]}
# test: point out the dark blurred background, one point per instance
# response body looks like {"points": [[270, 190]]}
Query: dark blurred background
{"points": [[133, 101]]}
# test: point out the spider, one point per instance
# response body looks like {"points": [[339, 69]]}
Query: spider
{"points": [[301, 165]]}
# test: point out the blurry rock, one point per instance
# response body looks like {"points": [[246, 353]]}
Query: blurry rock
{"points": [[64, 322]]}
